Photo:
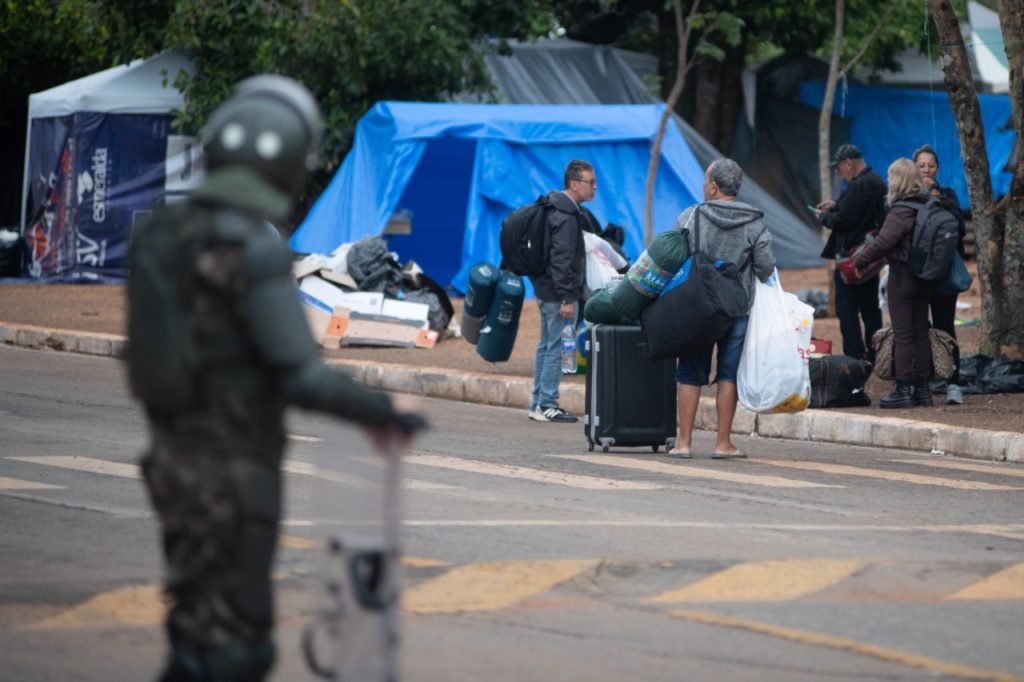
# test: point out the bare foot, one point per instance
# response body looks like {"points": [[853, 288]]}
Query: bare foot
{"points": [[680, 452]]}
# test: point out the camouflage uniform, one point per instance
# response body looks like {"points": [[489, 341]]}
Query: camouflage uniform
{"points": [[213, 467]]}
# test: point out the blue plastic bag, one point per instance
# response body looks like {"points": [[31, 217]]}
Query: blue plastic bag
{"points": [[957, 281]]}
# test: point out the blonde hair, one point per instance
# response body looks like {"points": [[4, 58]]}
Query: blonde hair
{"points": [[904, 180]]}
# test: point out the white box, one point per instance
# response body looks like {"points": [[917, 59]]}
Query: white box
{"points": [[329, 297]]}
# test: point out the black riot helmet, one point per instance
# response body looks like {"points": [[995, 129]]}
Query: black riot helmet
{"points": [[271, 124]]}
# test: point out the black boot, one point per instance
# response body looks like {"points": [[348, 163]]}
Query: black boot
{"points": [[902, 397], [922, 394]]}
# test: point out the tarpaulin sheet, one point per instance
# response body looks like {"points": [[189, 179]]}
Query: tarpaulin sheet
{"points": [[488, 160], [889, 123]]}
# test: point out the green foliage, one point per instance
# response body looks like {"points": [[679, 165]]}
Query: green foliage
{"points": [[350, 53]]}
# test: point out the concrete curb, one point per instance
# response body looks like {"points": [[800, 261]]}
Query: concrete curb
{"points": [[822, 426]]}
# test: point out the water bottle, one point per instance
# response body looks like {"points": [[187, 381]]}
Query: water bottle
{"points": [[569, 348]]}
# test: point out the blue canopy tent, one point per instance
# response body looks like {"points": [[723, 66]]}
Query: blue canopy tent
{"points": [[889, 123], [459, 169]]}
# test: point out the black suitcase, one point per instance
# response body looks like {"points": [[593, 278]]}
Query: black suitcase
{"points": [[630, 399]]}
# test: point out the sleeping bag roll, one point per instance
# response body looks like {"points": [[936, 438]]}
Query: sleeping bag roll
{"points": [[650, 273], [483, 279], [498, 335], [470, 326]]}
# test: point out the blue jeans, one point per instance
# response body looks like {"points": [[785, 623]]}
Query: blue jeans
{"points": [[696, 370], [547, 366]]}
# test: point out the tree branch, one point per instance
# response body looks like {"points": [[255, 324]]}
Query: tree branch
{"points": [[867, 41]]}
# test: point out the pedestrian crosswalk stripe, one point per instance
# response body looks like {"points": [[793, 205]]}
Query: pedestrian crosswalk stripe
{"points": [[87, 464], [764, 581], [1005, 585], [688, 471], [104, 467], [490, 586], [896, 476], [16, 484], [989, 468], [819, 639], [136, 605], [304, 439], [526, 473]]}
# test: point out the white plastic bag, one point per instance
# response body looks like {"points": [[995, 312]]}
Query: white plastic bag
{"points": [[602, 262], [773, 375]]}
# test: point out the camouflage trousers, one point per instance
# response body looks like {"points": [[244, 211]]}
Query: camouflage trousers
{"points": [[219, 518]]}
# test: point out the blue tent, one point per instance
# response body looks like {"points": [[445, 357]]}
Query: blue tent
{"points": [[890, 123], [461, 168]]}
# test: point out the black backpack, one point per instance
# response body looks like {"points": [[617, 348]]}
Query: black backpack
{"points": [[934, 241], [525, 238], [690, 318]]}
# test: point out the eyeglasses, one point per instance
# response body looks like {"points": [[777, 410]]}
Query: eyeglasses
{"points": [[591, 181]]}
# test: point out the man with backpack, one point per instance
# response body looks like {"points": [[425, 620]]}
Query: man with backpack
{"points": [[729, 230], [559, 286]]}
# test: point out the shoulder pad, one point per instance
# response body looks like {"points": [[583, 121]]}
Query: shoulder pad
{"points": [[266, 256]]}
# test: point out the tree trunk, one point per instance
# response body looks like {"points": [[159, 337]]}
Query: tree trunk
{"points": [[707, 116], [989, 225], [683, 35], [1009, 339], [825, 173]]}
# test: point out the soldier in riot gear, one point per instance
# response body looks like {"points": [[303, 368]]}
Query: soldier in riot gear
{"points": [[218, 347]]}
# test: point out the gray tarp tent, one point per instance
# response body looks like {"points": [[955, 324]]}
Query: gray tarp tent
{"points": [[568, 72]]}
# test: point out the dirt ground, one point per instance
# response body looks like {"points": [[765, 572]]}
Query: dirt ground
{"points": [[101, 308]]}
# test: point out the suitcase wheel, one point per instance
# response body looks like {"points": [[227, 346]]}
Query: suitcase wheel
{"points": [[654, 448]]}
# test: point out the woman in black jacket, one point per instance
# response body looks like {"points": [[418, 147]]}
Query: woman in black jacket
{"points": [[943, 306], [908, 294]]}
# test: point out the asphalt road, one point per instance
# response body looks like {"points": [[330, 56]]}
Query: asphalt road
{"points": [[527, 557]]}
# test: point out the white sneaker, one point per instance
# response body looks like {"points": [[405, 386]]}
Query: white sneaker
{"points": [[553, 414]]}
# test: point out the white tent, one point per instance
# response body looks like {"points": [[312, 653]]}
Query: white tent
{"points": [[99, 152]]}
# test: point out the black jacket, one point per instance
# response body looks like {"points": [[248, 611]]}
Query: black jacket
{"points": [[860, 210], [566, 269]]}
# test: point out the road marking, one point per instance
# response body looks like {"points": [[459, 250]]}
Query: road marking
{"points": [[15, 484], [137, 605], [904, 658], [490, 586], [296, 542], [88, 464], [104, 467], [304, 439], [688, 471], [764, 581], [525, 473], [993, 468], [916, 479], [1007, 584]]}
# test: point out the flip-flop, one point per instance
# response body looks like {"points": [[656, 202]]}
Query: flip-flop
{"points": [[680, 454], [735, 454]]}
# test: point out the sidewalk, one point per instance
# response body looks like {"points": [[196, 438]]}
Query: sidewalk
{"points": [[832, 426]]}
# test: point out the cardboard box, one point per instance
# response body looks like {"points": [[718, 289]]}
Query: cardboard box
{"points": [[352, 328], [330, 297], [405, 310]]}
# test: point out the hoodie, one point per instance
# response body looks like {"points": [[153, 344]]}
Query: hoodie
{"points": [[731, 231]]}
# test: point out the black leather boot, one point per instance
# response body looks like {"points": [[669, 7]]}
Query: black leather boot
{"points": [[922, 394], [902, 397]]}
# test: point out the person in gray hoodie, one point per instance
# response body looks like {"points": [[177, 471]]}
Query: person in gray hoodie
{"points": [[730, 230]]}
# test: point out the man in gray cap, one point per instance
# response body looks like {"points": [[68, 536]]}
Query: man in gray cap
{"points": [[859, 210]]}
